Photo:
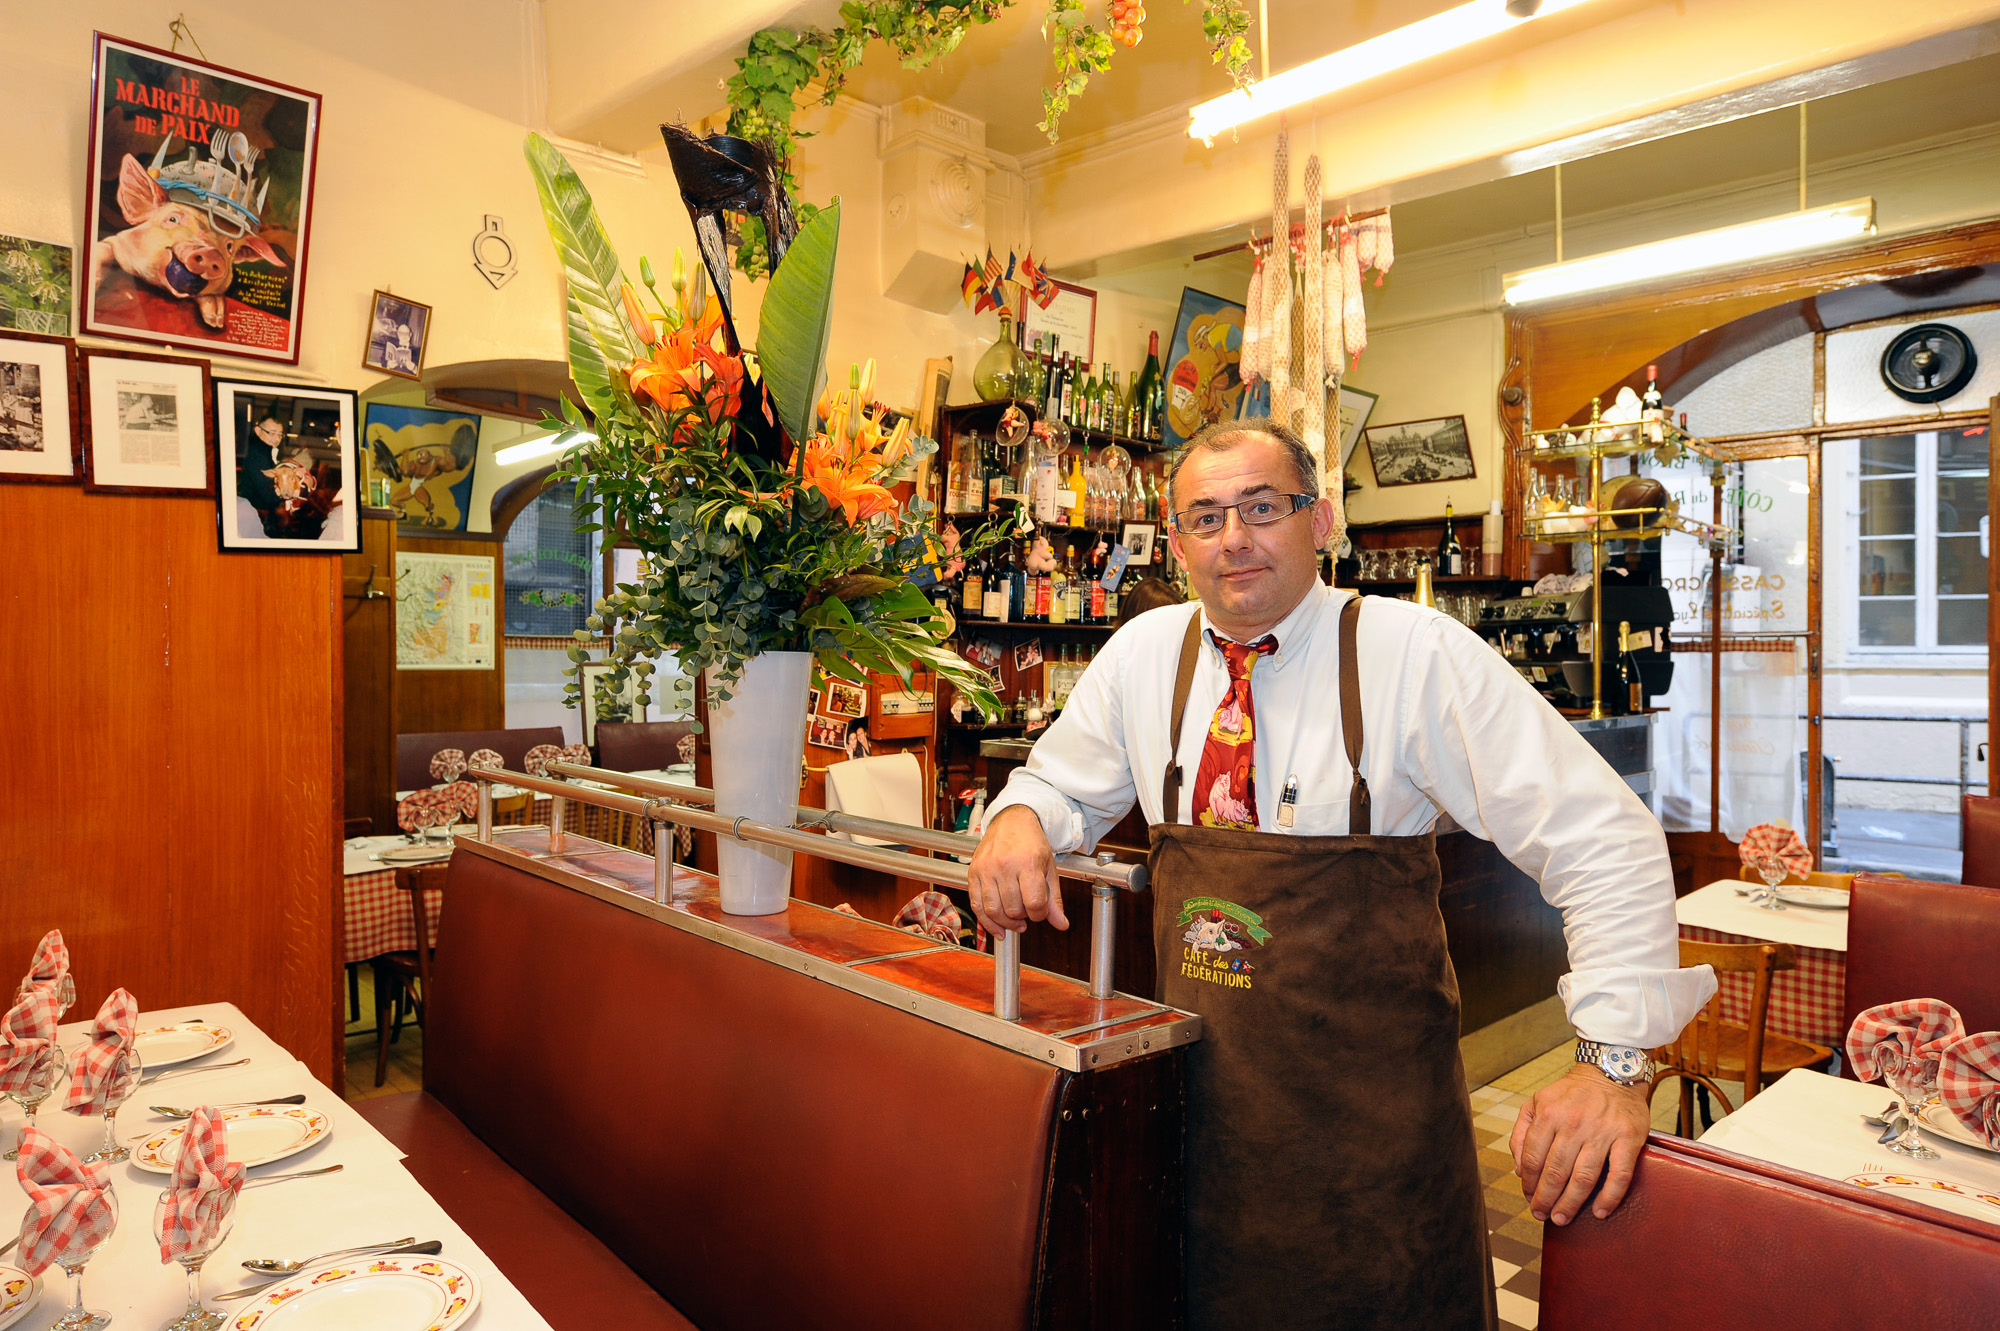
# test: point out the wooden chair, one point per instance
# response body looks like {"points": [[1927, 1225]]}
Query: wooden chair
{"points": [[403, 979], [1843, 881], [512, 809], [1711, 1049]]}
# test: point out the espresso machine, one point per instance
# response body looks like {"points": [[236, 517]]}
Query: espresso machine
{"points": [[1547, 639]]}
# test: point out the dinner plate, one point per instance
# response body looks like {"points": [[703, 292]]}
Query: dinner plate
{"points": [[18, 1293], [378, 1293], [1945, 1124], [258, 1135], [1958, 1198], [412, 854], [1817, 898], [164, 1046]]}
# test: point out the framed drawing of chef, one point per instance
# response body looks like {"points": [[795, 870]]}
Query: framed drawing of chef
{"points": [[200, 198]]}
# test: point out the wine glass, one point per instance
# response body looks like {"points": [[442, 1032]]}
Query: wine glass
{"points": [[1772, 870], [65, 991], [112, 1151], [42, 1084], [196, 1316], [1914, 1080], [76, 1317]]}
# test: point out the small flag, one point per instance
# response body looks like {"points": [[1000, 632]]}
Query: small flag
{"points": [[970, 285], [985, 301], [992, 271], [1040, 289], [1010, 265]]}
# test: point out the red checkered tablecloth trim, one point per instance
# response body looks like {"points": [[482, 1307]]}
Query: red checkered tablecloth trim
{"points": [[1805, 1003]]}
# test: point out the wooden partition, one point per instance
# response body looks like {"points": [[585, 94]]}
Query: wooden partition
{"points": [[172, 795]]}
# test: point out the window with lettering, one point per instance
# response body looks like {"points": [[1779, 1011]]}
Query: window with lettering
{"points": [[1919, 533]]}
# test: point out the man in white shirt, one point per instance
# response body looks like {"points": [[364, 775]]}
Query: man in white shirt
{"points": [[1300, 863]]}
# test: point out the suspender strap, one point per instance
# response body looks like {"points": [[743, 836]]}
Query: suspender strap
{"points": [[1170, 785], [1359, 811]]}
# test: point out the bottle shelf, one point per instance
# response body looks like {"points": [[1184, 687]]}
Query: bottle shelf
{"points": [[1653, 522], [965, 623]]}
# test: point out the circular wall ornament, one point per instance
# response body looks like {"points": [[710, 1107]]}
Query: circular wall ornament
{"points": [[898, 209], [1928, 363], [954, 189]]}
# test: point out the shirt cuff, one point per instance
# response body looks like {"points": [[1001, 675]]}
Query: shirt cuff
{"points": [[1061, 823], [1643, 1009]]}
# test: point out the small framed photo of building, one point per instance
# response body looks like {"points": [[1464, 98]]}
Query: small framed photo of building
{"points": [[1138, 539], [147, 424], [398, 331], [285, 469], [1417, 452], [40, 438]]}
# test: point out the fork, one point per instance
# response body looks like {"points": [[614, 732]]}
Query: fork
{"points": [[182, 1072], [303, 1173]]}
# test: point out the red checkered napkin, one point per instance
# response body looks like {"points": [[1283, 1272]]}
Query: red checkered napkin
{"points": [[203, 1190], [1783, 842], [413, 810], [1969, 1083], [1914, 1029], [576, 753], [486, 758], [461, 797], [538, 759], [102, 1074], [448, 764], [71, 1208], [27, 1036], [51, 959], [930, 915]]}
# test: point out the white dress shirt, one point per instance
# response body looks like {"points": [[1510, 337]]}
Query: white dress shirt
{"points": [[1448, 728]]}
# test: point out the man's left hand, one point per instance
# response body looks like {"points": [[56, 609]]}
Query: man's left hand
{"points": [[1574, 1132]]}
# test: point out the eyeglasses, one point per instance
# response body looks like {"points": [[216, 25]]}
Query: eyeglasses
{"points": [[1209, 519]]}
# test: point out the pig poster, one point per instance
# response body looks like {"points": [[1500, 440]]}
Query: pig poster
{"points": [[200, 196]]}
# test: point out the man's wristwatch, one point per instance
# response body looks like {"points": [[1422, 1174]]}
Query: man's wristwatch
{"points": [[1620, 1063]]}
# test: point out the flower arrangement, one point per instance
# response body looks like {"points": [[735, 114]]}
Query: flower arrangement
{"points": [[763, 506]]}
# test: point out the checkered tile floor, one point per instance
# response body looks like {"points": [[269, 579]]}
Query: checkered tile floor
{"points": [[1517, 1236]]}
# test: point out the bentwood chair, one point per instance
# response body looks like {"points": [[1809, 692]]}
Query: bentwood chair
{"points": [[403, 979], [1710, 1049]]}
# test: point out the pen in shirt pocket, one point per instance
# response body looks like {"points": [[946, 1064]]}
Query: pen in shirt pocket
{"points": [[1288, 801]]}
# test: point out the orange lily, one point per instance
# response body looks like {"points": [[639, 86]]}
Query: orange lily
{"points": [[635, 316], [844, 472], [688, 368]]}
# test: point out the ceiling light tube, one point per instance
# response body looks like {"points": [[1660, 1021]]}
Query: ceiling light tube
{"points": [[1407, 45], [529, 449], [1720, 248]]}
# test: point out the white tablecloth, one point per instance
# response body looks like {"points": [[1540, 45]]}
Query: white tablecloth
{"points": [[372, 1199], [1718, 907], [1812, 1122]]}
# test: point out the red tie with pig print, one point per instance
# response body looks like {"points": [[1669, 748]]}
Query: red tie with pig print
{"points": [[1225, 785]]}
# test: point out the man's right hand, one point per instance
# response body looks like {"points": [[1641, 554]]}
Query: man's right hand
{"points": [[1013, 875]]}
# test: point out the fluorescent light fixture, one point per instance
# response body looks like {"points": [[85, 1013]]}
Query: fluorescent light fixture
{"points": [[1421, 40], [1688, 254], [529, 449]]}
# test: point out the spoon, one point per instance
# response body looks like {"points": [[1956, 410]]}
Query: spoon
{"points": [[277, 1266], [182, 1072], [432, 1248]]}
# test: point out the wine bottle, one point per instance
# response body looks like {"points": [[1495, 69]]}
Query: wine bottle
{"points": [[1107, 398], [1451, 555], [1052, 398], [1146, 389], [997, 587], [1017, 583], [1634, 685]]}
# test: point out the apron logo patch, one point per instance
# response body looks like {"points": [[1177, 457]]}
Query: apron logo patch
{"points": [[1217, 933]]}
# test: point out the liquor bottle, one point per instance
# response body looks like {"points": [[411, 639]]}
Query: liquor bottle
{"points": [[1632, 684], [972, 591], [1045, 584], [1451, 555], [1077, 513], [1144, 391], [1075, 572], [1095, 614], [996, 601], [1058, 593], [1110, 613]]}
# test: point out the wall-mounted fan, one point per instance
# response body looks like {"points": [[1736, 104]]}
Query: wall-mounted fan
{"points": [[1928, 363]]}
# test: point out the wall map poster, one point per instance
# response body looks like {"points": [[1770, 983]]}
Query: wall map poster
{"points": [[200, 196], [444, 612]]}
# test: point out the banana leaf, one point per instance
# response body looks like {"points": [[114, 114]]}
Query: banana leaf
{"points": [[796, 322], [599, 345]]}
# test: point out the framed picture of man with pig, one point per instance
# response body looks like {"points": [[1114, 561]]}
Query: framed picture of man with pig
{"points": [[200, 199], [286, 479]]}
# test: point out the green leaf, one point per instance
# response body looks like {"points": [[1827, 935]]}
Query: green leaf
{"points": [[796, 322], [598, 339]]}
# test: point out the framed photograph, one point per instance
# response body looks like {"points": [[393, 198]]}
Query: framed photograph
{"points": [[147, 424], [35, 285], [285, 469], [845, 700], [41, 437], [623, 706], [812, 702], [828, 733], [1356, 406], [1027, 654], [1071, 316], [1204, 380], [429, 457], [201, 184], [1416, 452], [397, 331], [1138, 539], [859, 743]]}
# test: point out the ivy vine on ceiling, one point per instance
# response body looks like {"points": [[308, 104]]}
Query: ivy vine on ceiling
{"points": [[764, 92]]}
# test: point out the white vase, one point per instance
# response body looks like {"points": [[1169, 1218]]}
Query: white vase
{"points": [[757, 742]]}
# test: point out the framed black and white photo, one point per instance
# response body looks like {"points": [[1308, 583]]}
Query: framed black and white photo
{"points": [[1416, 452], [285, 470], [1138, 539], [1356, 405], [40, 437], [398, 330], [147, 424]]}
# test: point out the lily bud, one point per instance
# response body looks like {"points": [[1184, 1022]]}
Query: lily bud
{"points": [[646, 271], [680, 270], [867, 384]]}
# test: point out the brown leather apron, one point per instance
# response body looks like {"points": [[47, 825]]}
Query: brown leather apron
{"points": [[1332, 1179]]}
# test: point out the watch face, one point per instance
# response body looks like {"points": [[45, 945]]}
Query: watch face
{"points": [[1628, 1064]]}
